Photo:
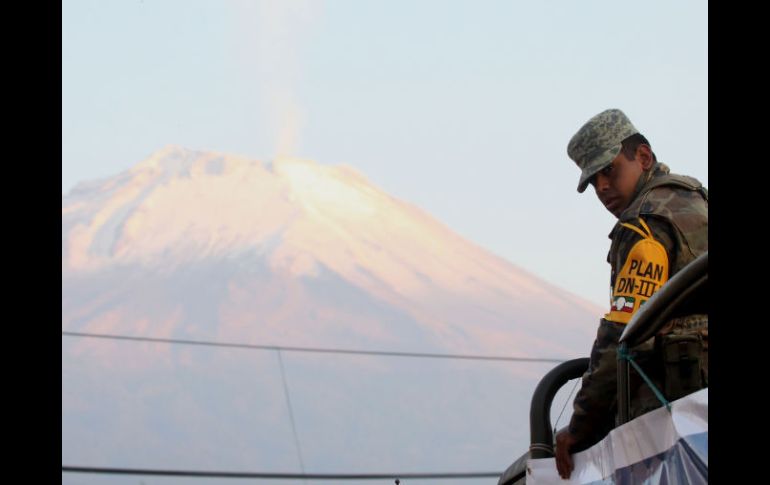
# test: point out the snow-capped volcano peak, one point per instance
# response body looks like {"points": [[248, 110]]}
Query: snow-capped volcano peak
{"points": [[213, 203], [324, 189], [301, 221]]}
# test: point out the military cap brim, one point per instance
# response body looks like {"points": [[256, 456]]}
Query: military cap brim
{"points": [[598, 164]]}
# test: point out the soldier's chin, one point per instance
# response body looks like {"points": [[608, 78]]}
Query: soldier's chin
{"points": [[614, 208]]}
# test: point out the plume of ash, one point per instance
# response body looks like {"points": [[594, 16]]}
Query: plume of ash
{"points": [[278, 28]]}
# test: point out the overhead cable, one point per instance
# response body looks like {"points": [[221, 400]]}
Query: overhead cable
{"points": [[310, 349], [294, 476]]}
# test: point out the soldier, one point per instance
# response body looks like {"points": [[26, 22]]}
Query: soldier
{"points": [[662, 225]]}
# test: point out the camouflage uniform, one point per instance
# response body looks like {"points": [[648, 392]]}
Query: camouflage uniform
{"points": [[666, 223], [675, 209]]}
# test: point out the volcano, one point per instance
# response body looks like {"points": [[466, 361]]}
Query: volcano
{"points": [[289, 252]]}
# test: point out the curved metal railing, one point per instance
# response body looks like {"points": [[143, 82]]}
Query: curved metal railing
{"points": [[540, 431], [541, 434]]}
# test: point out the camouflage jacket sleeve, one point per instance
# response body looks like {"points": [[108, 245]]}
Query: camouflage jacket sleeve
{"points": [[595, 404]]}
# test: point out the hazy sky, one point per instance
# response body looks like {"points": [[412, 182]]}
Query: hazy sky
{"points": [[463, 108]]}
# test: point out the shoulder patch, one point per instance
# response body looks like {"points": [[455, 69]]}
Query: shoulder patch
{"points": [[643, 273]]}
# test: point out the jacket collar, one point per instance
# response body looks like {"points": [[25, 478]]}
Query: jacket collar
{"points": [[643, 186]]}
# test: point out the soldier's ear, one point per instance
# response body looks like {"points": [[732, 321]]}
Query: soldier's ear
{"points": [[644, 155]]}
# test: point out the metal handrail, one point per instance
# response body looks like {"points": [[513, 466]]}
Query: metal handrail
{"points": [[541, 434]]}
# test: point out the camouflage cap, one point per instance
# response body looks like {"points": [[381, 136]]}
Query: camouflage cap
{"points": [[598, 142]]}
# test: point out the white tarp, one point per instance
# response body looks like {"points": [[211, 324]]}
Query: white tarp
{"points": [[658, 447]]}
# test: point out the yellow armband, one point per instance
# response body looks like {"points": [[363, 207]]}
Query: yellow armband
{"points": [[643, 273]]}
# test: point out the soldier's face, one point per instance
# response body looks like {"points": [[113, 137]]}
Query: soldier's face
{"points": [[616, 183]]}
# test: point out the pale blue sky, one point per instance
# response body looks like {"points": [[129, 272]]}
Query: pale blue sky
{"points": [[463, 108]]}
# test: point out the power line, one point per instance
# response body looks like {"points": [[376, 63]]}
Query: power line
{"points": [[304, 476], [310, 349], [577, 381], [291, 413]]}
